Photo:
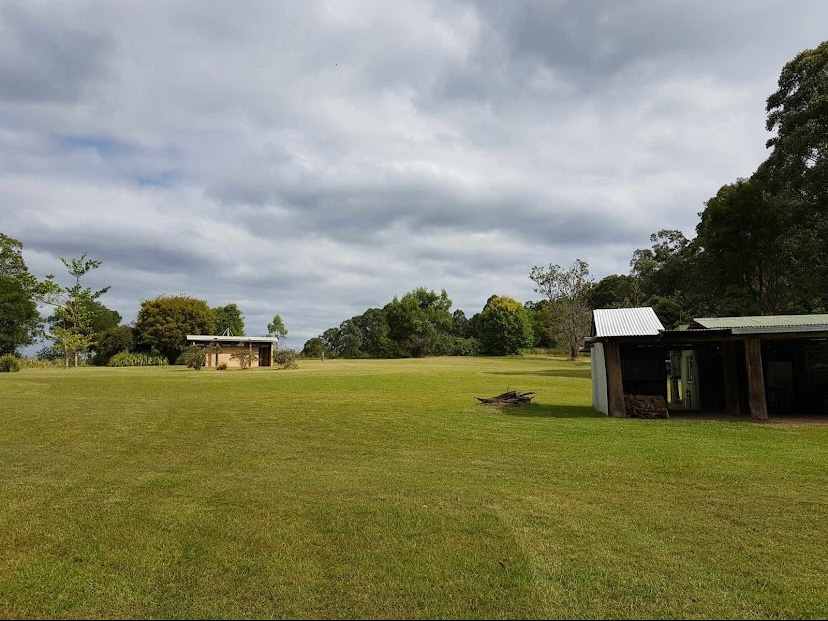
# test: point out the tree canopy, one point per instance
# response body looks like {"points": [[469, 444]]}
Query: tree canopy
{"points": [[164, 322], [229, 317]]}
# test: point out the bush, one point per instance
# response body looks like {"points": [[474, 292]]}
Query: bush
{"points": [[129, 359], [194, 357], [286, 359], [222, 367], [9, 363]]}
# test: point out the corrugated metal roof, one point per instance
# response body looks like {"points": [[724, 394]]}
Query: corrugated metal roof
{"points": [[214, 338], [626, 322], [766, 323]]}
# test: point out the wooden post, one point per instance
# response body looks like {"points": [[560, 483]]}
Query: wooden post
{"points": [[615, 381], [733, 406], [756, 379]]}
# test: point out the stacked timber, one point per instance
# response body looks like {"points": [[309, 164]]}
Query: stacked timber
{"points": [[508, 398], [645, 406]]}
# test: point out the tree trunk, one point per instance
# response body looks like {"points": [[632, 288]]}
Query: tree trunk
{"points": [[76, 360]]}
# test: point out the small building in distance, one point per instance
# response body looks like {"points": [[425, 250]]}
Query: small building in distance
{"points": [[234, 351], [738, 366]]}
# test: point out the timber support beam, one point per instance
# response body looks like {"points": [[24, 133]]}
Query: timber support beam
{"points": [[756, 379]]}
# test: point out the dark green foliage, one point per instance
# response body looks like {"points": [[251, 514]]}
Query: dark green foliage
{"points": [[230, 318], [544, 323], [164, 322], [19, 320], [9, 363], [505, 327], [798, 114], [616, 291], [417, 320], [314, 348], [420, 323], [112, 341]]}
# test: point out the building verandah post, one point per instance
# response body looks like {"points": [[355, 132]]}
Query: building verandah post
{"points": [[755, 379]]}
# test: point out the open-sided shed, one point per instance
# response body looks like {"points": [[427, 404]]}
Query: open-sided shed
{"points": [[730, 365]]}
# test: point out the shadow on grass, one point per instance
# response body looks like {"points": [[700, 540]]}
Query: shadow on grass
{"points": [[544, 410], [578, 373]]}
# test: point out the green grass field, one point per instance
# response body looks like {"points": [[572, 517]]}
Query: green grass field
{"points": [[380, 489]]}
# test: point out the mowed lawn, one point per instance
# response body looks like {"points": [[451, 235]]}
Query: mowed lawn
{"points": [[380, 489]]}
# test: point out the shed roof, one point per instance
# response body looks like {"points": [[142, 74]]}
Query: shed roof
{"points": [[626, 322], [758, 324], [214, 338]]}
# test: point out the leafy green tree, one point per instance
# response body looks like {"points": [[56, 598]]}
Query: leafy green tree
{"points": [[798, 116], [505, 326], [544, 323], [277, 327], [229, 318], [745, 258], [616, 291], [20, 323], [163, 324], [568, 291], [460, 324], [417, 320], [374, 334], [76, 309], [330, 341], [350, 340], [314, 348], [19, 319]]}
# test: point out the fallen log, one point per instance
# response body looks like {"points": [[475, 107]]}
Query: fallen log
{"points": [[511, 397]]}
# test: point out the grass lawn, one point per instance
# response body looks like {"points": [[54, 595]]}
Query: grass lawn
{"points": [[379, 488]]}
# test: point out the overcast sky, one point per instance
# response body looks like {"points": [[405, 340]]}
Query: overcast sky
{"points": [[315, 159]]}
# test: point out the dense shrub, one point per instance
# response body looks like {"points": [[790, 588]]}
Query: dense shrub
{"points": [[129, 359], [9, 363], [222, 367], [286, 359]]}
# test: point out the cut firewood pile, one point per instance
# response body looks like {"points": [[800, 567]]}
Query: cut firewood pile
{"points": [[645, 406], [511, 397]]}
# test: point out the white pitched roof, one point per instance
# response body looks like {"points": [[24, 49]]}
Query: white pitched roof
{"points": [[215, 338], [626, 322]]}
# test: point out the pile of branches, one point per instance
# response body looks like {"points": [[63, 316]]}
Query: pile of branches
{"points": [[511, 397], [645, 406]]}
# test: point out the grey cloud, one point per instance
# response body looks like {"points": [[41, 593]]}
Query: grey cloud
{"points": [[45, 60]]}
